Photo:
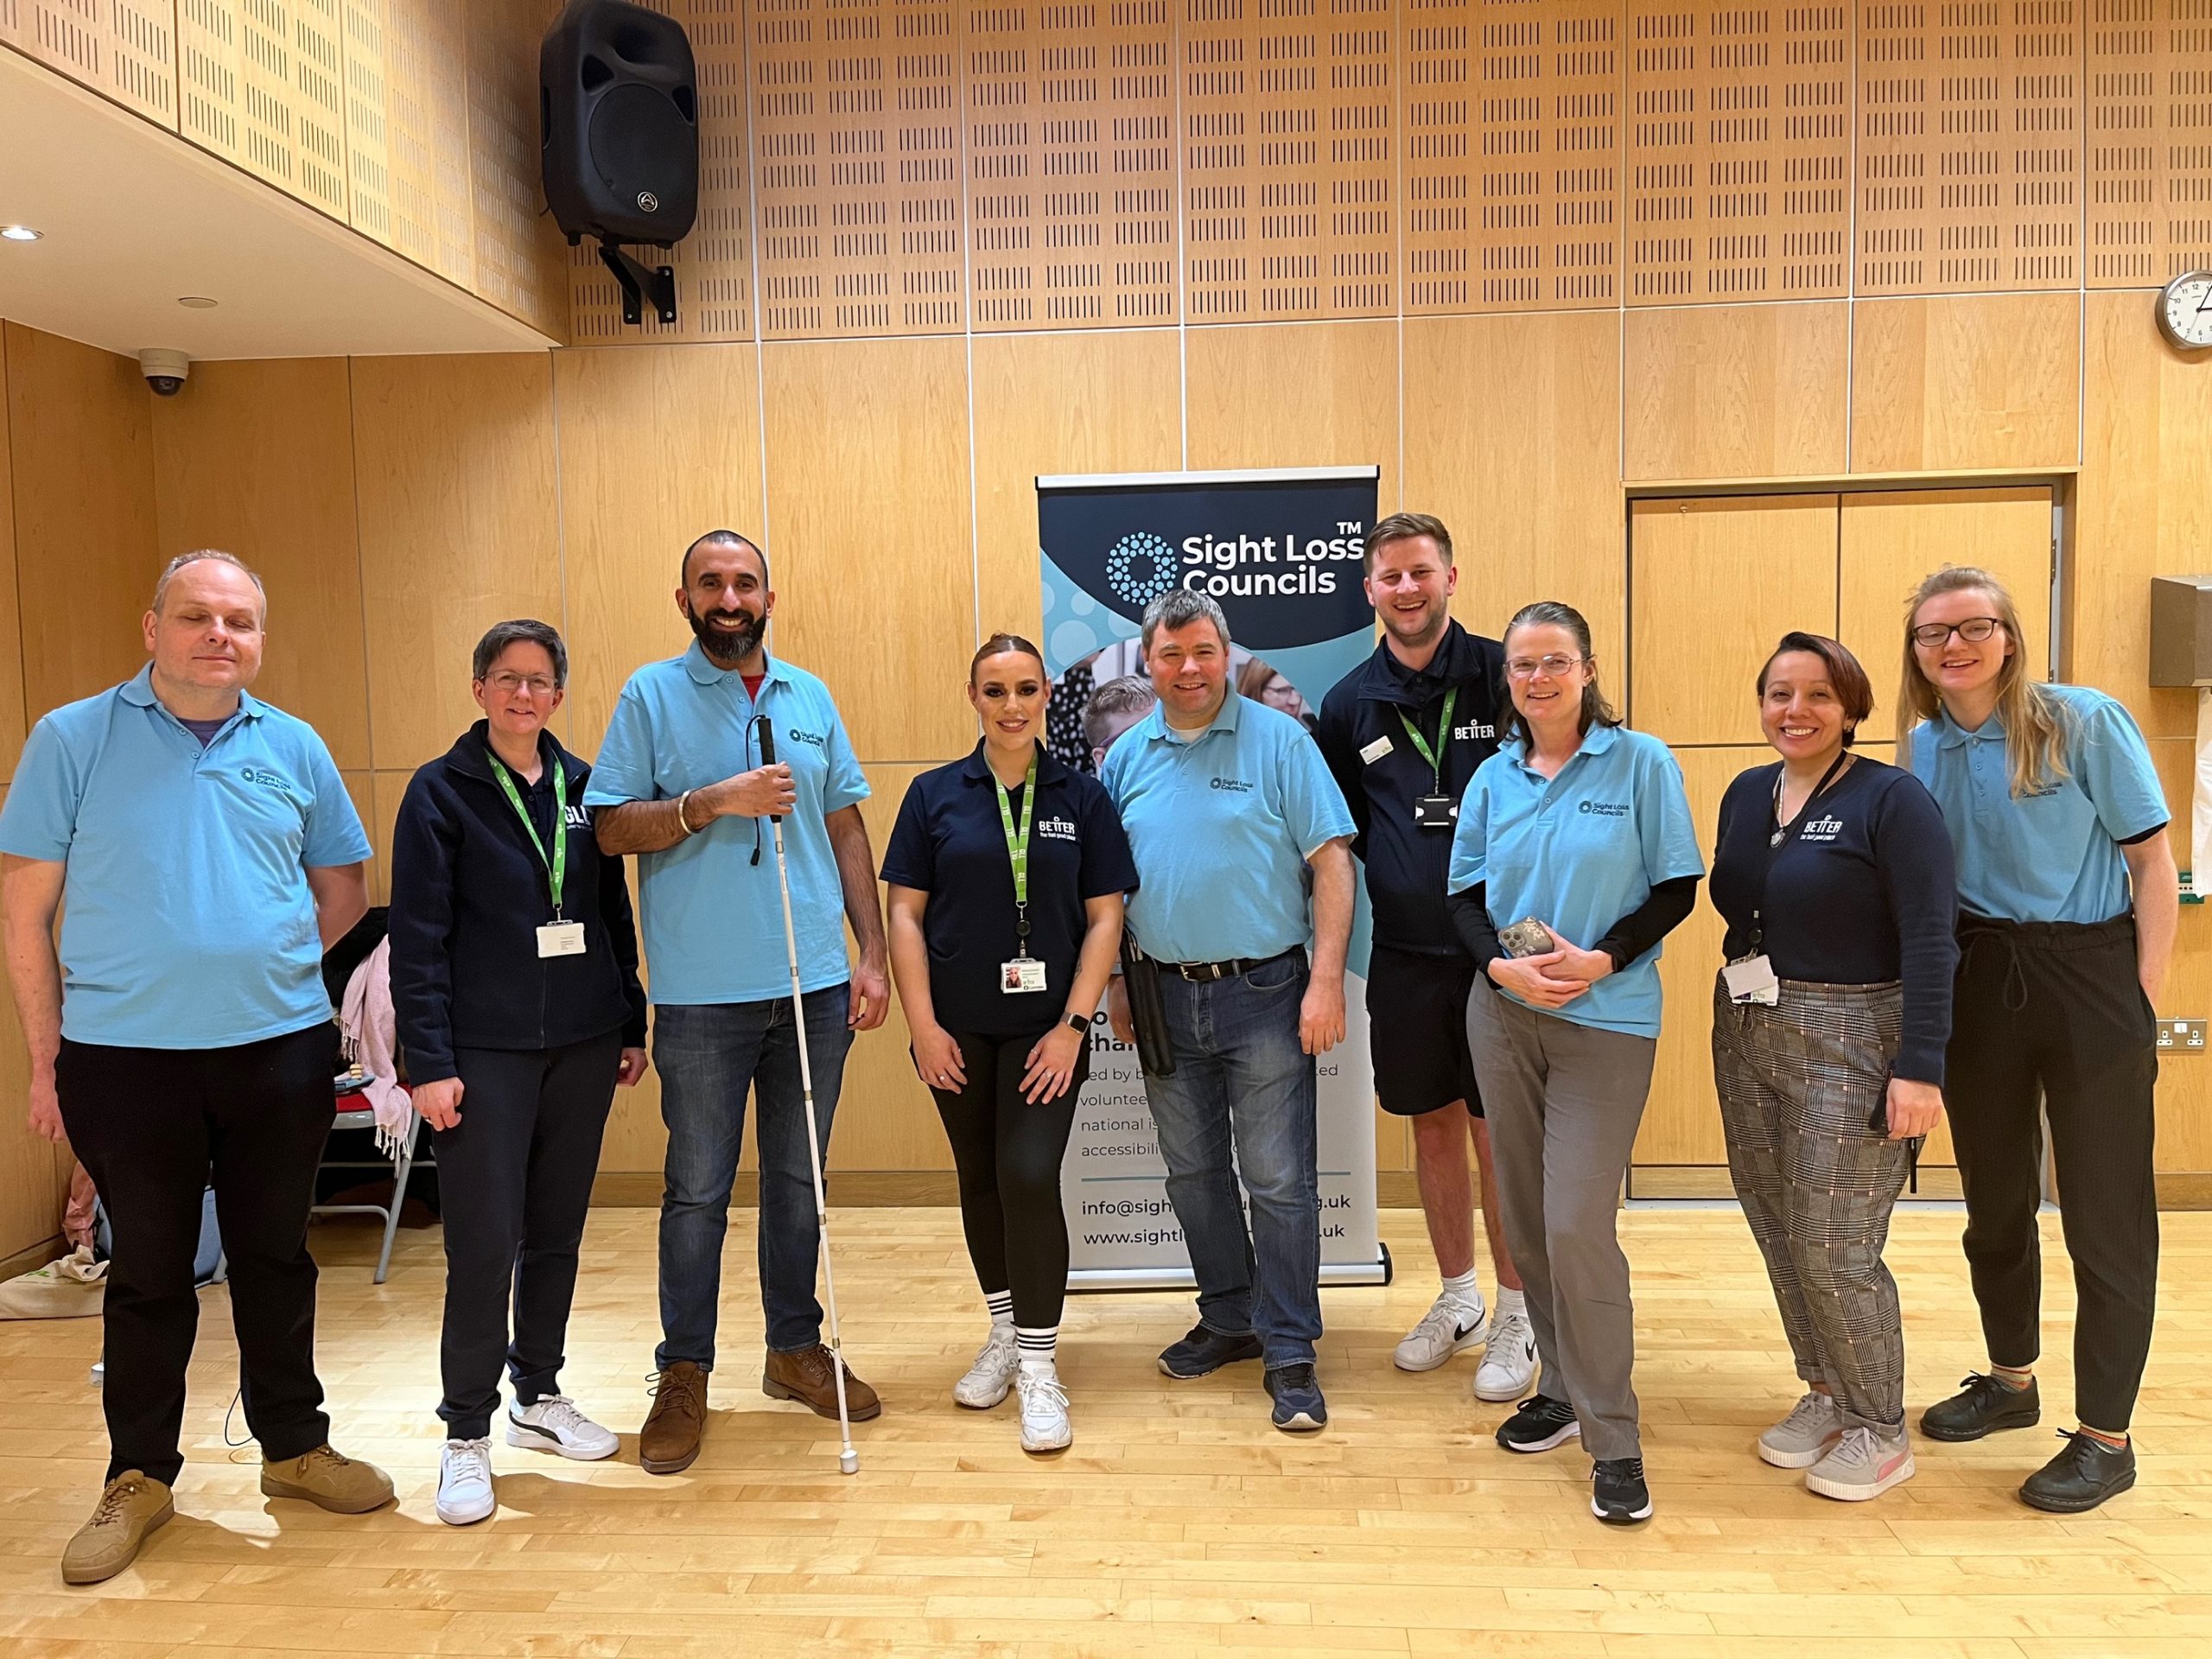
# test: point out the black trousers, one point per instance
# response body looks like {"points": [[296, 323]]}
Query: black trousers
{"points": [[1007, 1152], [516, 1175], [2052, 1011], [154, 1127]]}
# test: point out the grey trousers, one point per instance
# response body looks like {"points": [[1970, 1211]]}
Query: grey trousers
{"points": [[1564, 1102], [1798, 1084]]}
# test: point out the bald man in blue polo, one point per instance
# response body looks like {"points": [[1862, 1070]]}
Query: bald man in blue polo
{"points": [[203, 854], [1229, 804]]}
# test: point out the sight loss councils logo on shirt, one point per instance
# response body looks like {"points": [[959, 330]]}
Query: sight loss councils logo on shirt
{"points": [[1235, 783], [1604, 809], [819, 740], [266, 779]]}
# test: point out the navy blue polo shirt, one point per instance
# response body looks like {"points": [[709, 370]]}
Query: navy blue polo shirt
{"points": [[950, 843]]}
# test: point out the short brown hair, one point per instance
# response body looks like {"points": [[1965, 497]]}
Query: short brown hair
{"points": [[1403, 527], [1852, 689]]}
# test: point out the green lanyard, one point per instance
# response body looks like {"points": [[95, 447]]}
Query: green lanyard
{"points": [[1017, 846], [557, 866], [1443, 731]]}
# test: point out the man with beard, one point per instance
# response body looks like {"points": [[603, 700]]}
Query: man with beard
{"points": [[679, 783], [1402, 733]]}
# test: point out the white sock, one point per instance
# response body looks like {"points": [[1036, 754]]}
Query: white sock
{"points": [[1463, 1290], [1000, 1302], [1511, 1301], [1039, 1346]]}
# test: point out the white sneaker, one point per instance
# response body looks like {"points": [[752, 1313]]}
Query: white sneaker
{"points": [[465, 1482], [1861, 1464], [1449, 1325], [1045, 1424], [1508, 1367], [554, 1424], [992, 1375], [1802, 1438]]}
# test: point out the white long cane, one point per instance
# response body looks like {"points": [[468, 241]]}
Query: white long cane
{"points": [[848, 1460]]}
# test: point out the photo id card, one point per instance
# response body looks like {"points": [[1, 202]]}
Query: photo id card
{"points": [[1022, 974], [561, 939], [1752, 979]]}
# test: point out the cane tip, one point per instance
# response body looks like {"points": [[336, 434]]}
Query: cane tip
{"points": [[849, 1463]]}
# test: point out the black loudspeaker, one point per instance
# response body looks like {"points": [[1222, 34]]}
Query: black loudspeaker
{"points": [[619, 124]]}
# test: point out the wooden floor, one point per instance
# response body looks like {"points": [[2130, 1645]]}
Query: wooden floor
{"points": [[1180, 1523]]}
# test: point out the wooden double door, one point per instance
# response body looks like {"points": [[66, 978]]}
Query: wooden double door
{"points": [[1714, 581]]}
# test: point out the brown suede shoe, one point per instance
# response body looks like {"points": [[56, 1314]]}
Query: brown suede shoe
{"points": [[809, 1376], [669, 1442], [132, 1505], [327, 1480]]}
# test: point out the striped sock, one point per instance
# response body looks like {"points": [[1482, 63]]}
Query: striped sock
{"points": [[1000, 1302], [1039, 1344]]}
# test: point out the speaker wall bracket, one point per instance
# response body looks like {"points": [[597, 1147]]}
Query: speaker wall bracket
{"points": [[640, 282]]}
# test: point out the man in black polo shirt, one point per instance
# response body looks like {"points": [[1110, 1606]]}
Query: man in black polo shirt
{"points": [[1402, 733]]}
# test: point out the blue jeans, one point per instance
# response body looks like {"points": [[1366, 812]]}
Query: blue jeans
{"points": [[1238, 1069], [708, 1058]]}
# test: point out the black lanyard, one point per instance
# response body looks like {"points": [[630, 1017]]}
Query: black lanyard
{"points": [[1781, 834]]}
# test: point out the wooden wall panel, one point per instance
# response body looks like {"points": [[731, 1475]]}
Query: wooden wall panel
{"points": [[1943, 384], [1289, 163], [868, 528], [259, 459], [1682, 1123], [1969, 146], [1509, 121], [1528, 482], [857, 121], [658, 447], [1071, 164], [2185, 1086], [2144, 504], [1312, 394], [426, 136], [1736, 391], [714, 264], [1099, 402], [460, 528], [264, 87], [124, 49], [370, 136], [1717, 579], [12, 725], [86, 550], [521, 265], [2148, 152], [1739, 140]]}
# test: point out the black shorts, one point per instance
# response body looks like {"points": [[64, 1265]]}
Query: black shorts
{"points": [[1420, 1045]]}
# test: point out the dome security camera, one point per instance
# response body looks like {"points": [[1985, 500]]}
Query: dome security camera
{"points": [[165, 371]]}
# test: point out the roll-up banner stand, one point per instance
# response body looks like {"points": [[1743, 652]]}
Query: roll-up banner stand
{"points": [[1280, 552]]}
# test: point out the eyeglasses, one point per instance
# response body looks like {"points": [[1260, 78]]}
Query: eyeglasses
{"points": [[507, 685], [1524, 667], [1973, 631]]}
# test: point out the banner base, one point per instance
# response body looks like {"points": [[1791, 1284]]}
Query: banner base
{"points": [[1380, 1271]]}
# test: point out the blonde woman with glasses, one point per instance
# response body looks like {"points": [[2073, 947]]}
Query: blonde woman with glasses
{"points": [[2068, 900]]}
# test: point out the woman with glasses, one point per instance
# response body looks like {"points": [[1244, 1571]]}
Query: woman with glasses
{"points": [[1828, 1023], [514, 982], [2069, 901], [1573, 857]]}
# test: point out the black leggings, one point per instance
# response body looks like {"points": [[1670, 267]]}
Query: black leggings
{"points": [[1009, 1155]]}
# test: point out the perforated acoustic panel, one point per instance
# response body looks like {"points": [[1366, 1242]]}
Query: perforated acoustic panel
{"points": [[263, 86], [2149, 162], [1739, 140], [123, 49], [425, 110], [518, 256]]}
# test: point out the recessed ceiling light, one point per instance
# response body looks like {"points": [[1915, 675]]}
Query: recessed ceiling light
{"points": [[20, 233], [197, 302]]}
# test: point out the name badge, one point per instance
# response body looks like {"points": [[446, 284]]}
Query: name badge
{"points": [[561, 939], [1752, 979], [1022, 975], [1436, 812], [1376, 750]]}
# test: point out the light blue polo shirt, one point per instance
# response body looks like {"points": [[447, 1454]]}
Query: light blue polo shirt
{"points": [[1579, 852], [714, 919], [2052, 855], [1222, 822], [187, 921]]}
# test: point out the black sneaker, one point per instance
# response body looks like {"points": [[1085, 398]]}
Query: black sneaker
{"points": [[2081, 1477], [1617, 1494], [1300, 1407], [1206, 1350], [1982, 1406], [1540, 1424]]}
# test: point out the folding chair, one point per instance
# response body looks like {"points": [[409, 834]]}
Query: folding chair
{"points": [[359, 1116]]}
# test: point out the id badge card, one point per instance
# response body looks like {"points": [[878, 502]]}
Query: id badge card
{"points": [[1436, 812], [1752, 979], [561, 939], [1023, 974]]}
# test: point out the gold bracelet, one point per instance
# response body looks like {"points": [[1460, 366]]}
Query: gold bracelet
{"points": [[682, 823]]}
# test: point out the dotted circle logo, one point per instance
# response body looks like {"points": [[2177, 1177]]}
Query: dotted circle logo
{"points": [[1140, 566]]}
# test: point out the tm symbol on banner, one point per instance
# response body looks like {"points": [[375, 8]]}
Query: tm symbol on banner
{"points": [[1140, 566]]}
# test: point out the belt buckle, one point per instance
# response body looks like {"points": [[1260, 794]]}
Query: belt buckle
{"points": [[1199, 973]]}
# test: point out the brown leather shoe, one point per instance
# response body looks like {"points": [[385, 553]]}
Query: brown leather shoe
{"points": [[669, 1443], [810, 1378]]}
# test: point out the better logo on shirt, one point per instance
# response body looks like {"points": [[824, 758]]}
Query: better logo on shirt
{"points": [[1056, 829], [1820, 830]]}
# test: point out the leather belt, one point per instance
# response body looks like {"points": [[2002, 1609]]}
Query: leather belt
{"points": [[1201, 972]]}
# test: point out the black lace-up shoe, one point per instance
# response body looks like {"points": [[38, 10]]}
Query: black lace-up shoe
{"points": [[1540, 1423], [2080, 1477], [1205, 1351], [1982, 1406], [1617, 1494]]}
